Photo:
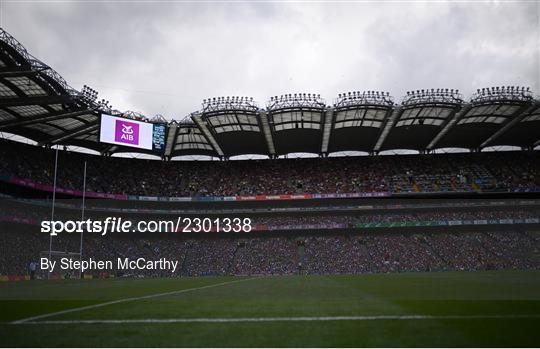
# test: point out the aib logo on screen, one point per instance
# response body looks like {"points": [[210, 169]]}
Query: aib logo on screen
{"points": [[126, 132]]}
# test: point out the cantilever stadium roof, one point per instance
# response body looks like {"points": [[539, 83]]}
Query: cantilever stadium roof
{"points": [[36, 103]]}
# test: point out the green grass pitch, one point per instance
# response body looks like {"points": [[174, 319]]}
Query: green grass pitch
{"points": [[496, 308]]}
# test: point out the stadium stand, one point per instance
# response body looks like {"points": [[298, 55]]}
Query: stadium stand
{"points": [[36, 103], [294, 254], [299, 242], [506, 171]]}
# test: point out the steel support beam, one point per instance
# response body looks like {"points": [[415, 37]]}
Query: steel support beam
{"points": [[70, 134], [16, 72], [267, 133], [50, 117], [206, 132], [14, 102], [327, 129], [457, 116], [171, 139], [514, 119], [390, 122]]}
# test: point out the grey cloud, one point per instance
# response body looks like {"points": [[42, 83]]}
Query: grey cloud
{"points": [[166, 57]]}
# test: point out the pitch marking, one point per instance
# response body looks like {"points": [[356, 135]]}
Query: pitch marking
{"points": [[277, 319], [123, 300]]}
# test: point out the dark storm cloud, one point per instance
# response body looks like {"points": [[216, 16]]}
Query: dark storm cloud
{"points": [[166, 57]]}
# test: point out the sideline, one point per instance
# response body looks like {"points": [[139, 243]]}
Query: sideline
{"points": [[278, 319], [124, 300]]}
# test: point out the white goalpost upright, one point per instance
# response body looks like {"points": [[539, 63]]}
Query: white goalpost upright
{"points": [[57, 254], [82, 218], [53, 202]]}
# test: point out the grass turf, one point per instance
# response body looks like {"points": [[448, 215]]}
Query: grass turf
{"points": [[446, 293]]}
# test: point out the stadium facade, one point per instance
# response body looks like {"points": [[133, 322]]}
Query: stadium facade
{"points": [[37, 103]]}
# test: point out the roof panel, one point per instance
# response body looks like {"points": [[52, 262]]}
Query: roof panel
{"points": [[29, 110], [27, 85], [349, 114], [48, 129], [418, 125], [6, 116], [493, 109], [295, 125], [92, 136], [6, 91], [507, 110], [479, 110], [297, 116], [410, 113], [190, 138], [358, 117], [376, 114], [473, 130], [68, 124], [56, 107], [426, 112], [534, 117], [187, 146]]}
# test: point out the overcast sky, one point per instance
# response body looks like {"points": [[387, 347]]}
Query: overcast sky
{"points": [[165, 58]]}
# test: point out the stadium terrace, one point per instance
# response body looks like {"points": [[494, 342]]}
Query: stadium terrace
{"points": [[308, 179], [37, 103]]}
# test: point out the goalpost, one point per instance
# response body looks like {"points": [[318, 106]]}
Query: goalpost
{"points": [[58, 255]]}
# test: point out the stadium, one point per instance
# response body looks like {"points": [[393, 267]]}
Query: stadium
{"points": [[426, 247]]}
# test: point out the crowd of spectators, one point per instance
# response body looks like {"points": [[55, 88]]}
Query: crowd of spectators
{"points": [[440, 215], [399, 173], [35, 215], [271, 256], [423, 252], [300, 252], [291, 254]]}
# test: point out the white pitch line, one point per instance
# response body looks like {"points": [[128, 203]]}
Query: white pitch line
{"points": [[123, 300], [278, 319]]}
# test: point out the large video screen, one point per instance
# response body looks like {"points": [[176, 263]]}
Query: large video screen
{"points": [[132, 133]]}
